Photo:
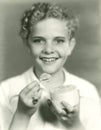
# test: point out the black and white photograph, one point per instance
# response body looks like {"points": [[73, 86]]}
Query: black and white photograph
{"points": [[50, 65]]}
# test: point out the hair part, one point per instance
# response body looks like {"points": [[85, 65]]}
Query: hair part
{"points": [[40, 11]]}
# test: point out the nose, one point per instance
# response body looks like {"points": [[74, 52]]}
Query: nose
{"points": [[48, 48]]}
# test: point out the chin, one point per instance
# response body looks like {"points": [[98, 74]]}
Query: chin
{"points": [[50, 70]]}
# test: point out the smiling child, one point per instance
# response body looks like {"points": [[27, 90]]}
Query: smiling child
{"points": [[26, 101]]}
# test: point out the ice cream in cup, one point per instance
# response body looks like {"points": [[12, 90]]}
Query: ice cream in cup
{"points": [[68, 94]]}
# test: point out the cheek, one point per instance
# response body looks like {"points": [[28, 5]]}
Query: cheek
{"points": [[64, 51], [35, 52]]}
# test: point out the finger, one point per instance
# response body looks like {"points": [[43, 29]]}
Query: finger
{"points": [[30, 90], [29, 87], [38, 94], [71, 113], [68, 116], [67, 107], [49, 102], [35, 92], [34, 85], [35, 99], [76, 108], [54, 107]]}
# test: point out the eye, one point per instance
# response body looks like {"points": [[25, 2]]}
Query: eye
{"points": [[38, 40], [59, 41]]}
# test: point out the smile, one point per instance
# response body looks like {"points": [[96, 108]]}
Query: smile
{"points": [[49, 60]]}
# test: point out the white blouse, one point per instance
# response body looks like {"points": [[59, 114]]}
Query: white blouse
{"points": [[89, 103]]}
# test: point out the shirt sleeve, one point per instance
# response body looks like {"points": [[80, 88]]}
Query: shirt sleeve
{"points": [[91, 111], [5, 113]]}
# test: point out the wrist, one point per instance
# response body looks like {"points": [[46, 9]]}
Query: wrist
{"points": [[79, 126], [25, 111], [19, 121], [73, 125], [22, 115]]}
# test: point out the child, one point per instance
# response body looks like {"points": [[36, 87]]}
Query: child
{"points": [[26, 101]]}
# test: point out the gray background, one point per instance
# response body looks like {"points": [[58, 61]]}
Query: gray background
{"points": [[86, 58]]}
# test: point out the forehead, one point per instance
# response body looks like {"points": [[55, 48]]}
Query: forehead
{"points": [[50, 26]]}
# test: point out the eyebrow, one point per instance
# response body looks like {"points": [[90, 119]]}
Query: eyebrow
{"points": [[60, 37], [44, 38], [39, 37]]}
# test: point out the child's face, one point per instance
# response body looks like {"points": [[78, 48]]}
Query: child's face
{"points": [[49, 45]]}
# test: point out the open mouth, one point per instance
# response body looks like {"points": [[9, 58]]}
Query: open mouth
{"points": [[49, 59]]}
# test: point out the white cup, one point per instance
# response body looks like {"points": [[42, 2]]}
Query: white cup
{"points": [[68, 94]]}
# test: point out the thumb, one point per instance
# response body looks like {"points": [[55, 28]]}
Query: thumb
{"points": [[54, 107]]}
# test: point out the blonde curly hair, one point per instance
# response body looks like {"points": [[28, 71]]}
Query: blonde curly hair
{"points": [[40, 11]]}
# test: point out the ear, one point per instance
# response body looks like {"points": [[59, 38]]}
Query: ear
{"points": [[72, 45]]}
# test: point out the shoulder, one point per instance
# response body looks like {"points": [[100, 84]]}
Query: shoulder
{"points": [[86, 88], [15, 83]]}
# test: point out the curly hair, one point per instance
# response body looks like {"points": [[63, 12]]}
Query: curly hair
{"points": [[40, 11]]}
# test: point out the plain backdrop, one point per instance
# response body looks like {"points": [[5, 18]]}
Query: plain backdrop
{"points": [[86, 58]]}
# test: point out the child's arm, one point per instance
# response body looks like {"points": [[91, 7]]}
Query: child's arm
{"points": [[69, 116], [28, 103], [19, 122]]}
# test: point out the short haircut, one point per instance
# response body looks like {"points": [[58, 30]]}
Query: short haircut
{"points": [[40, 11]]}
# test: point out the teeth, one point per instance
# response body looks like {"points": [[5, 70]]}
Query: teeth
{"points": [[49, 59]]}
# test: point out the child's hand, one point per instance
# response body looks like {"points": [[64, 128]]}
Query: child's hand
{"points": [[29, 99], [68, 115]]}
